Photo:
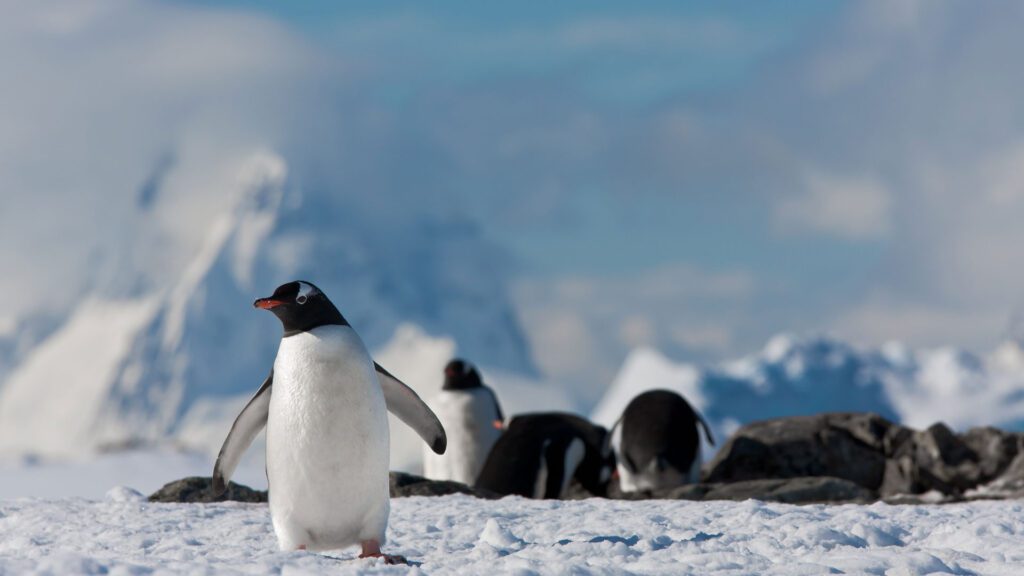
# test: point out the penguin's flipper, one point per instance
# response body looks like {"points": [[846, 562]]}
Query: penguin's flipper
{"points": [[403, 402], [247, 425], [707, 429]]}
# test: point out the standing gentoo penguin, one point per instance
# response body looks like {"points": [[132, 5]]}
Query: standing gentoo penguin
{"points": [[325, 407], [660, 444], [540, 454], [472, 418]]}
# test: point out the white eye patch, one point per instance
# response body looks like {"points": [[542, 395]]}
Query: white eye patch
{"points": [[305, 291]]}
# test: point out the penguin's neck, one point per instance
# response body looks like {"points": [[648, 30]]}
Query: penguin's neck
{"points": [[314, 318]]}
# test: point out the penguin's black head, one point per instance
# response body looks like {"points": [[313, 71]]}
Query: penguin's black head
{"points": [[301, 306], [460, 375]]}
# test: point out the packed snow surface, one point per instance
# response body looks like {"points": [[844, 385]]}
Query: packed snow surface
{"points": [[461, 535]]}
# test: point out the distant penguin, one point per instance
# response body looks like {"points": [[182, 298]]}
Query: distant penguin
{"points": [[472, 418], [659, 446], [540, 454], [325, 407]]}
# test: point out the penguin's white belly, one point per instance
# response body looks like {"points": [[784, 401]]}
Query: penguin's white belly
{"points": [[327, 442], [468, 418]]}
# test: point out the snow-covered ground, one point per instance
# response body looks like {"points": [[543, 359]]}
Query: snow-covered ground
{"points": [[463, 535]]}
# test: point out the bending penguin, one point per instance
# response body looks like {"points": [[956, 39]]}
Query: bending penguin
{"points": [[470, 413], [660, 444], [325, 407], [540, 454]]}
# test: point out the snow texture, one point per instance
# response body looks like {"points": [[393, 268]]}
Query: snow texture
{"points": [[463, 535]]}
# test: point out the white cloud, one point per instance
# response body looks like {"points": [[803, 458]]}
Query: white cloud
{"points": [[909, 107], [98, 95], [580, 328], [562, 341], [1003, 176], [881, 318], [713, 338], [895, 124], [851, 208], [636, 331]]}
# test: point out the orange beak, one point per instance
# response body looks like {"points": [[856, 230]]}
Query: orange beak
{"points": [[267, 303]]}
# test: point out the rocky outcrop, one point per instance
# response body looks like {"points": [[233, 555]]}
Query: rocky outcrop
{"points": [[848, 446], [403, 484], [838, 457], [800, 490], [199, 489], [895, 462]]}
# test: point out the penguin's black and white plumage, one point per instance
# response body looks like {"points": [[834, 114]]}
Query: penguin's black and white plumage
{"points": [[659, 442], [472, 418], [325, 407], [540, 454]]}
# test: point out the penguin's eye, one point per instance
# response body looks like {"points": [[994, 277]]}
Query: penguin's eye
{"points": [[300, 299]]}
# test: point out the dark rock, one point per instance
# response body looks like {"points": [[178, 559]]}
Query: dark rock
{"points": [[939, 460], [848, 446], [1011, 479], [576, 491], [996, 449], [932, 497], [403, 484], [838, 457], [933, 459], [806, 490], [199, 489], [802, 490], [897, 463]]}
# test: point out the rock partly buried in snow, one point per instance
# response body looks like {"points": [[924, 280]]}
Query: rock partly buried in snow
{"points": [[848, 446], [403, 484], [802, 490], [838, 457], [893, 461], [939, 460], [805, 490], [199, 489]]}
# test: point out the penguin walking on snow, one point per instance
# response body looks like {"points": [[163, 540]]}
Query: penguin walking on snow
{"points": [[325, 407], [659, 446], [540, 454], [472, 418]]}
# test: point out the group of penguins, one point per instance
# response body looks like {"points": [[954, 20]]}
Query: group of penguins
{"points": [[325, 403], [654, 445]]}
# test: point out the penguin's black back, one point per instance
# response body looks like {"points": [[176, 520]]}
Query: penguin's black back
{"points": [[514, 462], [659, 424]]}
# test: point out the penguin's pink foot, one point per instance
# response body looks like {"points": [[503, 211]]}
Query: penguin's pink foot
{"points": [[301, 547], [371, 549]]}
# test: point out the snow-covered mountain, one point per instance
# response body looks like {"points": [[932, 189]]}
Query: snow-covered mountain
{"points": [[156, 342], [807, 375], [161, 342]]}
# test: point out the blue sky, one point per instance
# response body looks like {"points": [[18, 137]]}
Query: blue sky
{"points": [[693, 176], [698, 53]]}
